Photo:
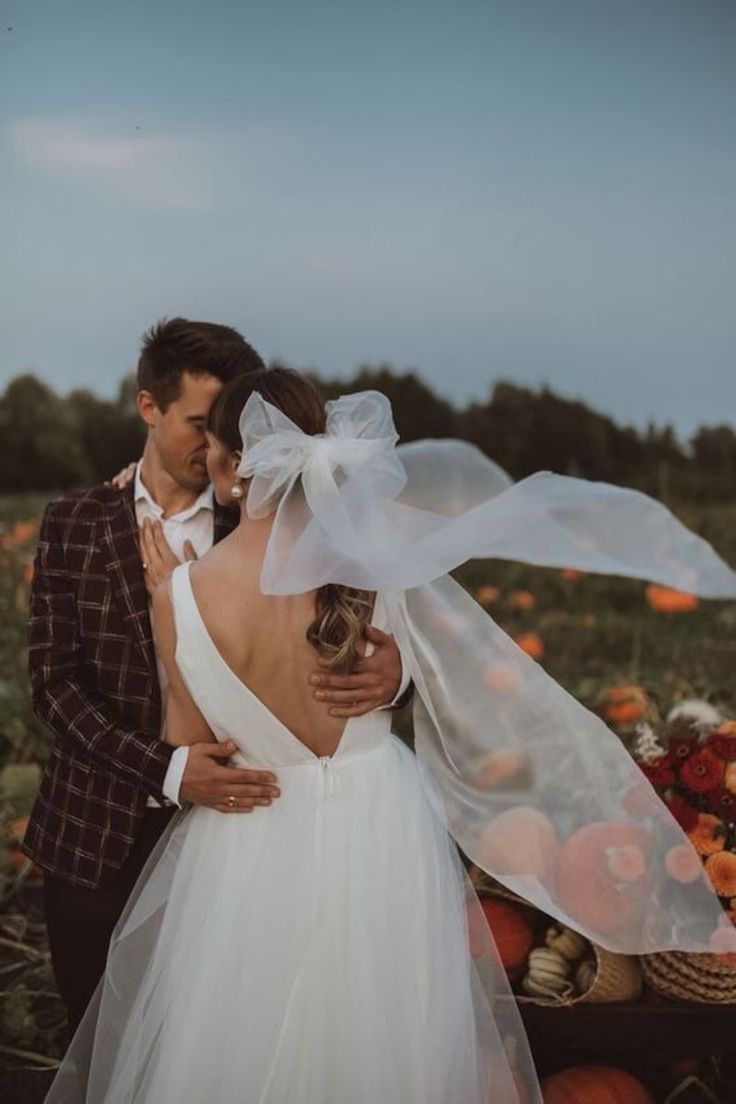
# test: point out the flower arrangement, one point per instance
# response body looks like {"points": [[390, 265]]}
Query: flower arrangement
{"points": [[694, 772]]}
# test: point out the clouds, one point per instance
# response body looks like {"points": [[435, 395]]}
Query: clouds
{"points": [[155, 172]]}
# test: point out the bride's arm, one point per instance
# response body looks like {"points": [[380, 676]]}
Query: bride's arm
{"points": [[184, 724]]}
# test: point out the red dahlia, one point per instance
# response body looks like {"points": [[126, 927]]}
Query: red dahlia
{"points": [[685, 815], [722, 745], [702, 772], [723, 803], [659, 771], [681, 749]]}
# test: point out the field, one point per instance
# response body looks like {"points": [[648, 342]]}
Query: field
{"points": [[590, 633]]}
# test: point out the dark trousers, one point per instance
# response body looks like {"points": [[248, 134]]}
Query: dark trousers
{"points": [[80, 921]]}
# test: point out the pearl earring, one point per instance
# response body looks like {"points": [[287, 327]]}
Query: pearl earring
{"points": [[236, 491]]}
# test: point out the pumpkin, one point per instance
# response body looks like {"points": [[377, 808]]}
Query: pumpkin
{"points": [[497, 768], [522, 600], [487, 594], [588, 890], [666, 600], [520, 840], [512, 933], [624, 705], [501, 679], [594, 1085], [548, 974], [531, 643]]}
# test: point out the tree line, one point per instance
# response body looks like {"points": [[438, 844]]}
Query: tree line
{"points": [[53, 442]]}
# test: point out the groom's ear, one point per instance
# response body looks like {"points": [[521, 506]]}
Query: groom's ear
{"points": [[147, 407]]}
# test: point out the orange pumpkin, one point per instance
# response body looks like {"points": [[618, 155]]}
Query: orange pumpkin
{"points": [[522, 600], [512, 933], [531, 643], [587, 884], [594, 1085], [624, 705], [520, 840], [487, 594], [501, 679], [666, 600]]}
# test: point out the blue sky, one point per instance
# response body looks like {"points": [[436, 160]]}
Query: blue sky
{"points": [[537, 190]]}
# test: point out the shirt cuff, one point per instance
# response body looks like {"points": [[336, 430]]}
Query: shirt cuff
{"points": [[175, 773], [403, 686]]}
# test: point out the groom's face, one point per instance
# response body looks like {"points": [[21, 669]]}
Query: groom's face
{"points": [[177, 434]]}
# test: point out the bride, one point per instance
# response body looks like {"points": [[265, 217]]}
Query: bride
{"points": [[319, 953]]}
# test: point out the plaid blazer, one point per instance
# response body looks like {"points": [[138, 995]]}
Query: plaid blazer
{"points": [[94, 683]]}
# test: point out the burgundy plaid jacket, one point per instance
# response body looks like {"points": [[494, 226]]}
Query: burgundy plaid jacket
{"points": [[94, 681]]}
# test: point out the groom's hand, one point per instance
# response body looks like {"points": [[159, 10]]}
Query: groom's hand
{"points": [[374, 682], [207, 781]]}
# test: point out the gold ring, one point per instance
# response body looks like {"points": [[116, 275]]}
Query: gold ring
{"points": [[231, 802]]}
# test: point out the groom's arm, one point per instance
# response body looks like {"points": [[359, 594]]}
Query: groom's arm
{"points": [[62, 697], [379, 681]]}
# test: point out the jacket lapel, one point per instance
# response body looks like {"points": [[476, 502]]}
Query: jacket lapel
{"points": [[126, 572], [225, 521]]}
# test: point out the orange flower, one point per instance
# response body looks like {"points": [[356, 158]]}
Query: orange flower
{"points": [[28, 573], [522, 600], [721, 869], [487, 594], [624, 705], [572, 574], [626, 863], [666, 600], [531, 643], [703, 837], [683, 864], [23, 531]]}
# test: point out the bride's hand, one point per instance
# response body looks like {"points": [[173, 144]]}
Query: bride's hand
{"points": [[374, 682], [156, 556], [125, 477]]}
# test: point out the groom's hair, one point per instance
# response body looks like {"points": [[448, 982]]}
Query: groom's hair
{"points": [[176, 345]]}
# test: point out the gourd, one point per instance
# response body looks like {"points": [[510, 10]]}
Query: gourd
{"points": [[585, 975], [569, 943], [548, 974]]}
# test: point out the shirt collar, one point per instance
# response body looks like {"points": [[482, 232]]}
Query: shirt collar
{"points": [[206, 500]]}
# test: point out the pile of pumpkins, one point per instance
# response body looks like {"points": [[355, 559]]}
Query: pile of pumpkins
{"points": [[561, 967]]}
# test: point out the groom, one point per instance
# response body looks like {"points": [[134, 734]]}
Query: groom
{"points": [[111, 784]]}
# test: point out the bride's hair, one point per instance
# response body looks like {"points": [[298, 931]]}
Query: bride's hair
{"points": [[341, 612]]}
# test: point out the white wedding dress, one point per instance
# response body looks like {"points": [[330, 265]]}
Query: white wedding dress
{"points": [[314, 952]]}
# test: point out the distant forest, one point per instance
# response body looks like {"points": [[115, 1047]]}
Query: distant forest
{"points": [[53, 442]]}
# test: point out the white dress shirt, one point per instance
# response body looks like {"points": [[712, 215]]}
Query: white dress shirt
{"points": [[197, 525]]}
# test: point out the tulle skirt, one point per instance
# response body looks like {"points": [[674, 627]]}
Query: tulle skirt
{"points": [[313, 952]]}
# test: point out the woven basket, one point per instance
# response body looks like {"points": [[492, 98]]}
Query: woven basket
{"points": [[617, 977], [687, 976]]}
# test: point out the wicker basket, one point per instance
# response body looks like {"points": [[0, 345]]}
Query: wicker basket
{"points": [[617, 977], [687, 976]]}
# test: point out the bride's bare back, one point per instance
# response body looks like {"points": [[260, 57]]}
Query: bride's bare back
{"points": [[262, 638]]}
